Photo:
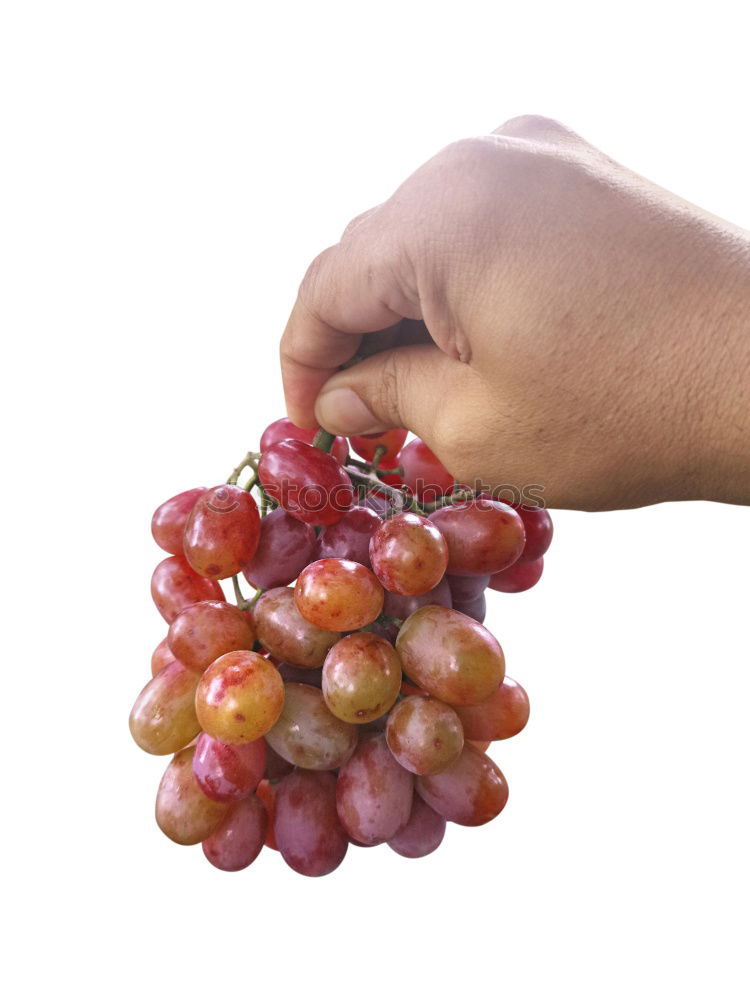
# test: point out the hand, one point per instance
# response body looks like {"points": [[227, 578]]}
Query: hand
{"points": [[546, 317]]}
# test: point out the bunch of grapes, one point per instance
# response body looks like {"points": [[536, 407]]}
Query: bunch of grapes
{"points": [[351, 699]]}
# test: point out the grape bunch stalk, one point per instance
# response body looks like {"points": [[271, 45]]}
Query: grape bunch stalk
{"points": [[351, 699]]}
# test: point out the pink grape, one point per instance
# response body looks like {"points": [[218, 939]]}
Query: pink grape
{"points": [[284, 430], [266, 792], [285, 547], [307, 733], [170, 518], [471, 791], [222, 532], [239, 840], [465, 589], [483, 536], [276, 767], [160, 657], [424, 735], [422, 834], [538, 526], [476, 609], [361, 677], [502, 715], [308, 832], [408, 554], [286, 634], [400, 606], [338, 594], [306, 482], [228, 773], [373, 792], [366, 445], [203, 632], [519, 577], [239, 697], [183, 812], [424, 473], [350, 537], [175, 585], [163, 718]]}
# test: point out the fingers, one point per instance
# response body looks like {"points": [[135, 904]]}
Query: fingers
{"points": [[356, 287], [540, 129]]}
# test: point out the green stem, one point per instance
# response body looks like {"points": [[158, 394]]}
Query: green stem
{"points": [[251, 459], [323, 440], [379, 452], [396, 497], [449, 499], [242, 603]]}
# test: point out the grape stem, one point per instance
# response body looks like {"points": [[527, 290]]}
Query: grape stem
{"points": [[396, 497], [251, 460], [242, 602], [324, 440], [458, 497]]}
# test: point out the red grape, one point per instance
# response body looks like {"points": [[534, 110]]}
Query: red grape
{"points": [[338, 594], [373, 792], [450, 656], [483, 536], [476, 609], [266, 792], [239, 697], [307, 828], [538, 526], [465, 589], [408, 554], [350, 537], [163, 718], [423, 833], [175, 585], [160, 657], [228, 773], [424, 734], [471, 791], [292, 674], [306, 481], [203, 632], [361, 677], [284, 430], [482, 745], [276, 767], [170, 518], [400, 606], [366, 445], [502, 715], [286, 634], [286, 546], [307, 734], [424, 473], [222, 532], [519, 577], [239, 840], [183, 812]]}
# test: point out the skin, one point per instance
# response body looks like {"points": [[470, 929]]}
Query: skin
{"points": [[583, 329]]}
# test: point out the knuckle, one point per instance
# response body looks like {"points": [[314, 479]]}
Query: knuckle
{"points": [[532, 125], [391, 378]]}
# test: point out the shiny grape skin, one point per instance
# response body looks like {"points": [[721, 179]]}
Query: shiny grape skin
{"points": [[483, 536], [408, 554], [239, 697], [424, 735], [222, 532], [538, 526], [465, 589], [160, 657], [308, 833], [470, 792], [286, 546], [286, 634], [361, 677], [400, 606], [501, 716], [163, 718], [183, 812], [373, 792], [518, 578], [422, 835], [306, 481], [283, 429], [228, 773], [450, 656], [424, 473], [350, 537], [266, 792], [338, 594], [169, 520], [203, 632], [392, 441], [476, 609], [175, 585], [307, 734], [240, 838]]}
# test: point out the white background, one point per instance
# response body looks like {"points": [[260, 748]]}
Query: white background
{"points": [[169, 170]]}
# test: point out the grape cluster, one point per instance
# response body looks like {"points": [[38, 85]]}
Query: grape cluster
{"points": [[352, 699]]}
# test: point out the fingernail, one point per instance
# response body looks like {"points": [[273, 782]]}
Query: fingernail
{"points": [[341, 411]]}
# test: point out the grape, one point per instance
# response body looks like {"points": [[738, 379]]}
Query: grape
{"points": [[307, 828], [163, 718], [361, 677], [377, 502], [286, 634], [450, 656], [423, 833], [424, 734], [366, 445], [471, 791], [203, 632], [338, 594], [286, 546], [391, 476], [183, 812], [483, 536], [169, 520], [502, 715], [239, 697], [465, 589], [228, 773], [276, 767], [538, 526], [292, 674], [266, 792], [308, 734], [174, 585], [373, 792], [519, 577], [482, 745], [424, 474], [476, 609], [284, 429], [401, 606], [306, 481], [350, 537], [408, 554], [222, 532], [239, 840], [160, 657]]}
